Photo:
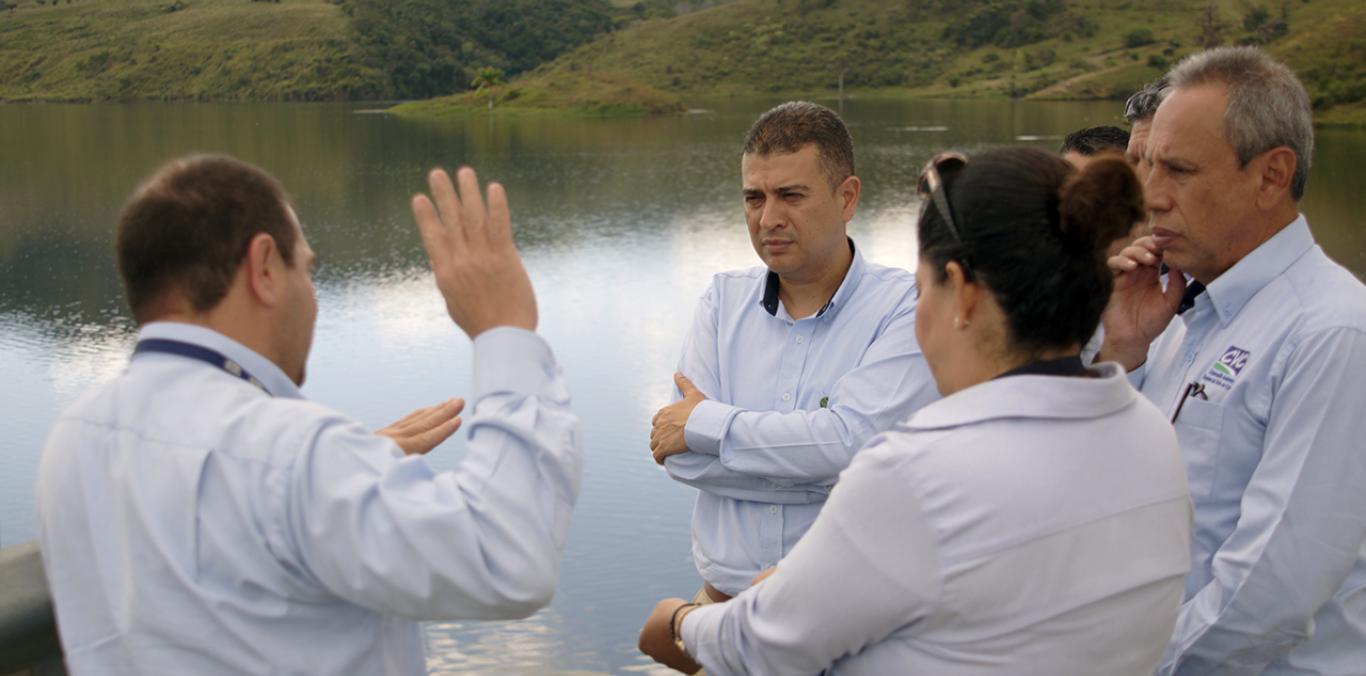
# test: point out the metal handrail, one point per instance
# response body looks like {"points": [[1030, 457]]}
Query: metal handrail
{"points": [[28, 627]]}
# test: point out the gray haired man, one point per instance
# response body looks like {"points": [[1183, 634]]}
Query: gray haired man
{"points": [[1256, 349]]}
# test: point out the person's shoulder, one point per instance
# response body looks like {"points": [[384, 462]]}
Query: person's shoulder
{"points": [[1326, 295], [887, 274], [739, 277], [885, 284]]}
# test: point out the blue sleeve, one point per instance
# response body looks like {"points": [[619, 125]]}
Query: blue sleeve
{"points": [[700, 362], [891, 381]]}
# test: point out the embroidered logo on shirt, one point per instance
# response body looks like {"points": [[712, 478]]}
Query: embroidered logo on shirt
{"points": [[1226, 369], [825, 402]]}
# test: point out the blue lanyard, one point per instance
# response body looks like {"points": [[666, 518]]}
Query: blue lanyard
{"points": [[199, 353]]}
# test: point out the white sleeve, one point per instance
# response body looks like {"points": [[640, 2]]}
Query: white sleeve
{"points": [[480, 542], [865, 569]]}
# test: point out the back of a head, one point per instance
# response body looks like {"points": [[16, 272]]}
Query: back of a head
{"points": [[1094, 140], [1034, 231], [187, 228], [791, 126], [1267, 105]]}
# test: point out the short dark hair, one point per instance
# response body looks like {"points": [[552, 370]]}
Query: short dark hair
{"points": [[1092, 140], [789, 127], [1034, 231], [187, 228], [1142, 105]]}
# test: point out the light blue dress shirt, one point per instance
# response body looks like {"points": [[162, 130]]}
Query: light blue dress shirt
{"points": [[1029, 525], [191, 523], [788, 404], [1274, 437]]}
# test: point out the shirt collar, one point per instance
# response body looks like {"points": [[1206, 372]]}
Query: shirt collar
{"points": [[1031, 396], [769, 299], [1233, 289], [265, 370]]}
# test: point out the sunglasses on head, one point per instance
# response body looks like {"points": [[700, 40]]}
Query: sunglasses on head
{"points": [[931, 185]]}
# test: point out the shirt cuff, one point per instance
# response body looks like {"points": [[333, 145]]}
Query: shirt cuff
{"points": [[707, 425], [698, 625], [508, 359]]}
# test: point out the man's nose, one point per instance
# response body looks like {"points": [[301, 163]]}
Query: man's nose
{"points": [[773, 215], [1156, 196]]}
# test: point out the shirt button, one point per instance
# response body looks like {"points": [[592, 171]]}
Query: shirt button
{"points": [[773, 509], [800, 339], [787, 396]]}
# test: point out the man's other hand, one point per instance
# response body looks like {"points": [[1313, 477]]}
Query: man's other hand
{"points": [[472, 254], [425, 429], [666, 429], [1139, 308]]}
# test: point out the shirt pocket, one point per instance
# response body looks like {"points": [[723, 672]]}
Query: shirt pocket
{"points": [[1197, 431]]}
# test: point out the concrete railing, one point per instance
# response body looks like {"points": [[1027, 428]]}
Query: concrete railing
{"points": [[28, 629]]}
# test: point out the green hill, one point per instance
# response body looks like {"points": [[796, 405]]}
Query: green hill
{"points": [[970, 48], [644, 56], [90, 50], [164, 49]]}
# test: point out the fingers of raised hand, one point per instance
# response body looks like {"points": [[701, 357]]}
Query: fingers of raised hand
{"points": [[444, 195], [472, 210], [435, 238], [500, 219]]}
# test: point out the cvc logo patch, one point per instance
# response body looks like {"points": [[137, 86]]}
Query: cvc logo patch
{"points": [[1227, 367]]}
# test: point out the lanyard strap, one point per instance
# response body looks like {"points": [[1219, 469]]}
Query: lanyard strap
{"points": [[198, 353]]}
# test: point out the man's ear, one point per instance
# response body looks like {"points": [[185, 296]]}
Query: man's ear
{"points": [[849, 190], [264, 268], [1276, 171]]}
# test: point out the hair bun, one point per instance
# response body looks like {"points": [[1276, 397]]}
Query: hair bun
{"points": [[1101, 203]]}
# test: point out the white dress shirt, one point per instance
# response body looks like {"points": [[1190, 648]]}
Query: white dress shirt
{"points": [[1027, 525], [191, 523], [1274, 437], [789, 401]]}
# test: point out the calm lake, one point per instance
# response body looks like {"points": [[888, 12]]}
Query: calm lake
{"points": [[622, 223]]}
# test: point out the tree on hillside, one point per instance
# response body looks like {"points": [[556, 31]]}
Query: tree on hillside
{"points": [[486, 78], [1211, 28]]}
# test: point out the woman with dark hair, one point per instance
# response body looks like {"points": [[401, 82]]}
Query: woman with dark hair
{"points": [[1034, 521]]}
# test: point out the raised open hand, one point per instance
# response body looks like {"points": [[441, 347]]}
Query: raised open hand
{"points": [[471, 251]]}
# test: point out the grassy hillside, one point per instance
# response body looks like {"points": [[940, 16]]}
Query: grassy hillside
{"points": [[285, 50], [970, 48], [163, 49], [594, 94]]}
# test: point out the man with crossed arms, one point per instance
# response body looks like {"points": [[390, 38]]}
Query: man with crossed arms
{"points": [[789, 367]]}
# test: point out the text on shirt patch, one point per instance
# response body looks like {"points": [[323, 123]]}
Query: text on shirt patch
{"points": [[1226, 369]]}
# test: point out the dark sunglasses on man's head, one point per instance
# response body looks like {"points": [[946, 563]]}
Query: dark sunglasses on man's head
{"points": [[1143, 100]]}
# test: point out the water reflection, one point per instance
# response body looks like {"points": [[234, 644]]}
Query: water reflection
{"points": [[622, 222]]}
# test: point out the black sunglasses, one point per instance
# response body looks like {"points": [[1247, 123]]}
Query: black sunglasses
{"points": [[931, 185]]}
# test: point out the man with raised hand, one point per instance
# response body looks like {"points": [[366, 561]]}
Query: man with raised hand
{"points": [[1256, 350], [199, 516], [791, 366]]}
